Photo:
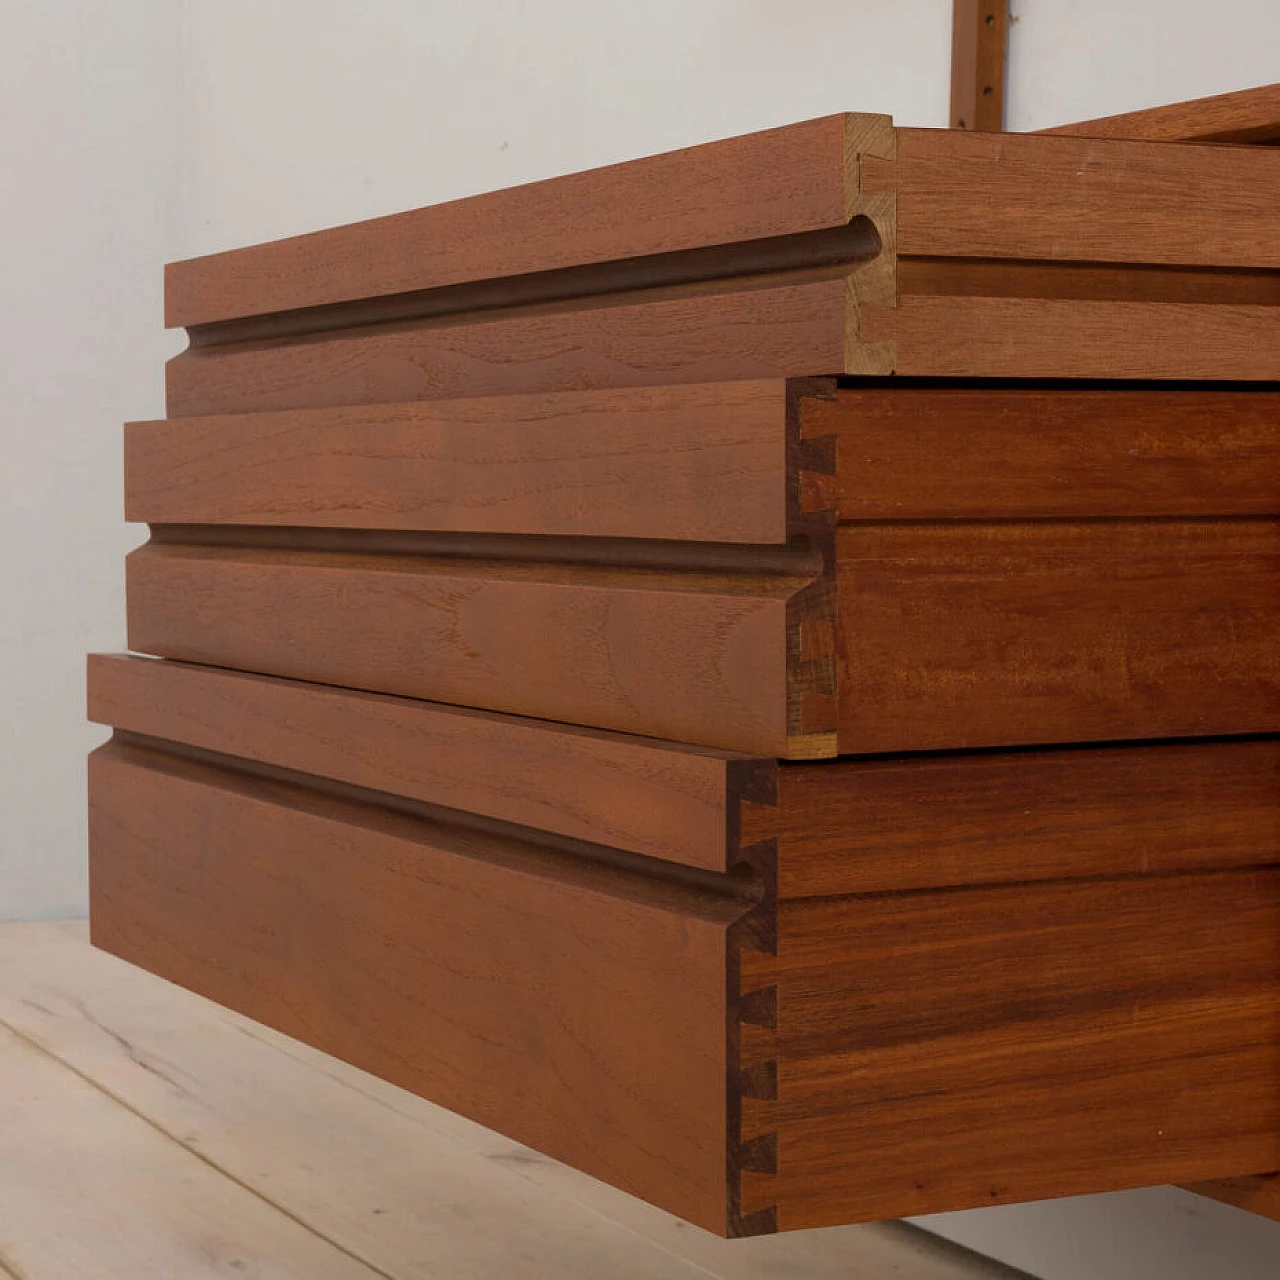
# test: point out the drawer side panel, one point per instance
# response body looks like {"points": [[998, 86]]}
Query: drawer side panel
{"points": [[918, 822], [951, 1049], [964, 453], [980, 635]]}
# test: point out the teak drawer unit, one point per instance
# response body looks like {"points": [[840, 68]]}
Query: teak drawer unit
{"points": [[787, 569], [519, 568], [760, 996]]}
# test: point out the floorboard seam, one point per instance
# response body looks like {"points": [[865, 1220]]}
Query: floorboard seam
{"points": [[978, 1265], [459, 1143], [205, 1160], [9, 1269], [73, 932]]}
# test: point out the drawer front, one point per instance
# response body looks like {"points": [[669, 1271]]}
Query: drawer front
{"points": [[759, 996], [579, 1008], [701, 464], [659, 799], [684, 655], [710, 462], [847, 247], [833, 1059], [790, 330]]}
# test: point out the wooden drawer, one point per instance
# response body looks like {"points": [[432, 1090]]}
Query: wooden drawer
{"points": [[787, 569], [518, 567], [664, 448], [840, 246], [761, 996]]}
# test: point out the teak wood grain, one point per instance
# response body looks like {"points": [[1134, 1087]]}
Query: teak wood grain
{"points": [[802, 179], [1250, 116], [978, 635], [943, 453], [891, 824], [708, 462], [700, 463], [871, 456], [312, 1141], [577, 451], [885, 1053], [854, 825], [694, 657], [909, 251], [660, 799], [1259, 1193], [971, 1047], [929, 636], [778, 182], [792, 330], [1032, 196], [574, 1008], [1016, 337], [789, 330], [1084, 281]]}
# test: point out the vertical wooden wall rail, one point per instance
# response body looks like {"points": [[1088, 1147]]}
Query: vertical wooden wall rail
{"points": [[979, 37]]}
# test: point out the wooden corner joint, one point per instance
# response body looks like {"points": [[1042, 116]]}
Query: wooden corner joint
{"points": [[812, 669], [871, 150], [751, 822], [752, 1030], [753, 1098], [811, 673]]}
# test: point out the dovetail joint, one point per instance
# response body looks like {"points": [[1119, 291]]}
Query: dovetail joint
{"points": [[752, 1061], [753, 1133], [812, 668]]}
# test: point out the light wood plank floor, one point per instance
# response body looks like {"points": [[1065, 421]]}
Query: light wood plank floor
{"points": [[145, 1132]]}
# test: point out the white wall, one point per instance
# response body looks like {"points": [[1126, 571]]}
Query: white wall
{"points": [[306, 113], [1072, 59], [278, 116], [88, 152]]}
